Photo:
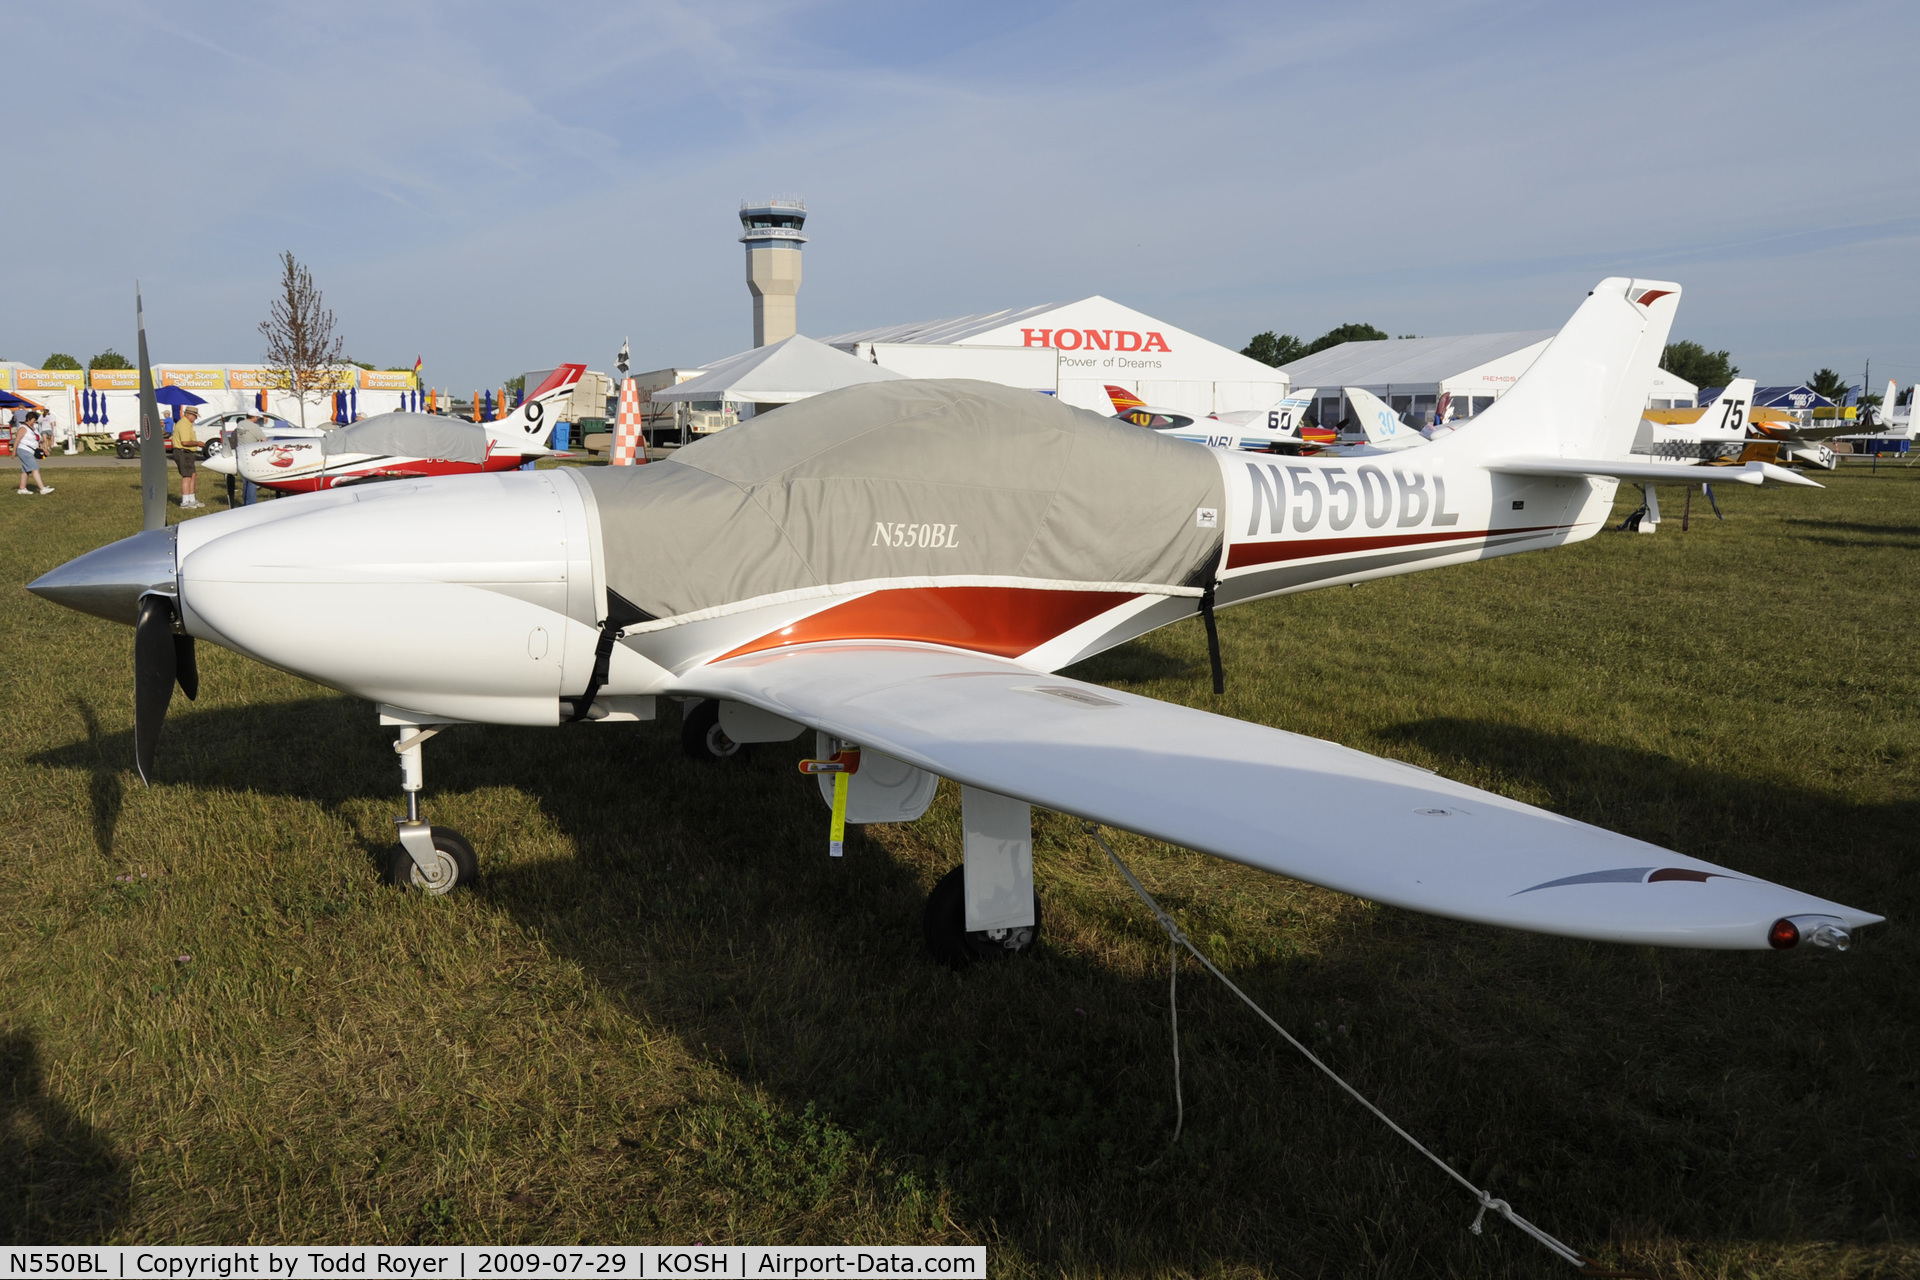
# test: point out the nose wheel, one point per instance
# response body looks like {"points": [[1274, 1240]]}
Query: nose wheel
{"points": [[434, 860], [451, 864]]}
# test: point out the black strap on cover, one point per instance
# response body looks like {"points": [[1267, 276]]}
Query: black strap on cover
{"points": [[621, 614], [1213, 641]]}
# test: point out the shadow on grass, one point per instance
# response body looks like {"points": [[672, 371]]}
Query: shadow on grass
{"points": [[60, 1183], [1859, 526], [1615, 1094]]}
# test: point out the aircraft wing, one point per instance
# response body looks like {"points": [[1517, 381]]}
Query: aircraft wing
{"points": [[1646, 472], [1294, 805]]}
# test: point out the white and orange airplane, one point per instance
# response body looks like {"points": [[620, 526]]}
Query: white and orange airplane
{"points": [[1280, 428], [901, 569], [399, 446]]}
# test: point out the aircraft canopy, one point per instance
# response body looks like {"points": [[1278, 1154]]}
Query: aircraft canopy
{"points": [[410, 435], [910, 483]]}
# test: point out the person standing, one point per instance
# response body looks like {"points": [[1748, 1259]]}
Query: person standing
{"points": [[27, 447], [186, 442]]}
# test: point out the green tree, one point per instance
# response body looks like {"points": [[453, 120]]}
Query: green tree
{"points": [[516, 384], [1345, 333], [1829, 384], [59, 360], [1696, 364], [1274, 349], [109, 359]]}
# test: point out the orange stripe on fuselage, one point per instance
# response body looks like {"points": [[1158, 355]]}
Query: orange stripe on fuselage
{"points": [[1003, 621]]}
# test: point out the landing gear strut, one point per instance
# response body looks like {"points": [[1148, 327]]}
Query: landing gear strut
{"points": [[432, 859]]}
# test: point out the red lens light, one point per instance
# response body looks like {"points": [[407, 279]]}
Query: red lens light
{"points": [[1784, 934]]}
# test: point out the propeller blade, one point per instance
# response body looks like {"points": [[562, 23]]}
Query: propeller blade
{"points": [[155, 668], [187, 667], [153, 445]]}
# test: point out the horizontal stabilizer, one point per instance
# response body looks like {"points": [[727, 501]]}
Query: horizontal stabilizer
{"points": [[1649, 472], [1294, 805]]}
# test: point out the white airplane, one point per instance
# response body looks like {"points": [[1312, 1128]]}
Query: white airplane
{"points": [[1717, 430], [1385, 432], [901, 568], [390, 446], [1892, 422], [1277, 429]]}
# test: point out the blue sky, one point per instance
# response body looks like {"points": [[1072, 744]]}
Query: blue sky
{"points": [[500, 187]]}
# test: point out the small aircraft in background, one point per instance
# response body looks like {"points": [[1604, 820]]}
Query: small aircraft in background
{"points": [[866, 567], [1277, 429], [1891, 423], [1706, 434], [398, 446], [1383, 430]]}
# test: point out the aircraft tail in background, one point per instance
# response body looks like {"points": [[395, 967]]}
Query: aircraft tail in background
{"points": [[1124, 399]]}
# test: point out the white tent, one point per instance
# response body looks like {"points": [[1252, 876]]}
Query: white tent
{"points": [[1103, 343], [780, 373]]}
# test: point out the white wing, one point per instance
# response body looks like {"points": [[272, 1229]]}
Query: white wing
{"points": [[1632, 469], [1294, 805]]}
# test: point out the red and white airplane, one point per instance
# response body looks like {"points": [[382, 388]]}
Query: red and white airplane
{"points": [[1279, 429], [394, 446], [901, 568]]}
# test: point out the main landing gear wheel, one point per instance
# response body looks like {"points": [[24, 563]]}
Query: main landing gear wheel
{"points": [[455, 863], [946, 926], [701, 736]]}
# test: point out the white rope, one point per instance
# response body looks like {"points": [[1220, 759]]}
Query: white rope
{"points": [[1180, 939]]}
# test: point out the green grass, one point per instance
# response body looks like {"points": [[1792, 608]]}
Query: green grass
{"points": [[667, 1015]]}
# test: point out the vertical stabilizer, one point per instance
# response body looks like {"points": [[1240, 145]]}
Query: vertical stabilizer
{"points": [[1382, 425], [1584, 396]]}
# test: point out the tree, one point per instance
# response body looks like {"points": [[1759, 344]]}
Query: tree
{"points": [[109, 359], [1829, 384], [59, 360], [516, 383], [303, 352], [1345, 333], [1696, 364], [1274, 349]]}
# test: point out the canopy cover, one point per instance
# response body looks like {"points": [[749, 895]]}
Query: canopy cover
{"points": [[910, 483], [410, 435]]}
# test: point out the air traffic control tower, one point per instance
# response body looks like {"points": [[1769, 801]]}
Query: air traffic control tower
{"points": [[771, 231]]}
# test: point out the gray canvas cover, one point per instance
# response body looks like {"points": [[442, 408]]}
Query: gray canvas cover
{"points": [[908, 480], [410, 435]]}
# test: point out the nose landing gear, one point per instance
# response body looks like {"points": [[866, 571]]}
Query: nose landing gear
{"points": [[434, 860]]}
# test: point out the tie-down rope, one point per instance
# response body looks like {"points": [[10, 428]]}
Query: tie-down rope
{"points": [[1179, 939]]}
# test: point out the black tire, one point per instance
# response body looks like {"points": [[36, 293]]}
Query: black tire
{"points": [[946, 927], [125, 449], [453, 848], [701, 736]]}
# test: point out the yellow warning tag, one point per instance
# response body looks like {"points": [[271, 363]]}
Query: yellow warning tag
{"points": [[836, 843]]}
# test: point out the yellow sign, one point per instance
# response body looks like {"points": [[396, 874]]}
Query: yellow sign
{"points": [[115, 379], [386, 379], [193, 379], [48, 379], [248, 378]]}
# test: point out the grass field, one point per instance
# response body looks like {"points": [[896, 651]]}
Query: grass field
{"points": [[666, 1015]]}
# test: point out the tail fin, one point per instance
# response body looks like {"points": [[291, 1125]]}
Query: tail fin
{"points": [[1584, 396], [1382, 425], [525, 430], [1731, 409], [1124, 399], [561, 379]]}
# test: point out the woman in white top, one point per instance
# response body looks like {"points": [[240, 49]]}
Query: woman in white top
{"points": [[26, 447]]}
